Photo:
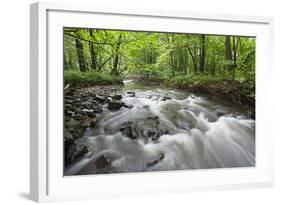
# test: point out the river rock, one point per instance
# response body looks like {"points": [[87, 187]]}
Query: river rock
{"points": [[97, 109], [153, 118], [220, 113], [131, 94], [102, 162], [165, 98], [155, 161], [153, 133], [86, 104], [71, 123], [68, 137], [69, 113], [74, 152], [78, 117], [128, 130], [116, 97], [128, 106], [99, 98], [89, 112], [89, 122], [115, 105], [67, 106]]}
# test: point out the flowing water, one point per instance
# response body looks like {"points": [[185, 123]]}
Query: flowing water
{"points": [[167, 130]]}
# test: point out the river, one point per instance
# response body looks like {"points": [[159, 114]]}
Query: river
{"points": [[165, 129]]}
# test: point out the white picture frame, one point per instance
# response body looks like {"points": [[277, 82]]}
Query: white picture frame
{"points": [[47, 182]]}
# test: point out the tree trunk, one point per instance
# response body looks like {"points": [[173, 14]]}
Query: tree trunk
{"points": [[92, 52], [65, 64], [234, 45], [228, 56], [193, 60], [114, 70], [202, 53], [80, 55]]}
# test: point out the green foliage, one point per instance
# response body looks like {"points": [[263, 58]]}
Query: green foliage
{"points": [[174, 59], [186, 80], [90, 78]]}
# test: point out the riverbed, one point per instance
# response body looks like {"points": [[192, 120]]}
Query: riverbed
{"points": [[161, 129]]}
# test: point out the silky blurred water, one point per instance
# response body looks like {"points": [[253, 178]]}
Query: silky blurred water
{"points": [[197, 133]]}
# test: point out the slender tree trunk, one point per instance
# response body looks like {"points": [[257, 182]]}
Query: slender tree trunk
{"points": [[116, 56], [202, 53], [80, 55], [228, 56], [193, 60], [93, 52], [65, 64], [234, 45]]}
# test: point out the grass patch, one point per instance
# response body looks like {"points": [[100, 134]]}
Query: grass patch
{"points": [[90, 78]]}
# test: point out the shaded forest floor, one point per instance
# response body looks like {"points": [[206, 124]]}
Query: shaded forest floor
{"points": [[235, 92]]}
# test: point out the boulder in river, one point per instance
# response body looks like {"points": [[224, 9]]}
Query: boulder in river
{"points": [[102, 162], [115, 105], [128, 130], [131, 94], [116, 97], [220, 113], [153, 133]]}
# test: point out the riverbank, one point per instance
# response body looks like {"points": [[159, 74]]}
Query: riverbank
{"points": [[240, 94], [82, 108]]}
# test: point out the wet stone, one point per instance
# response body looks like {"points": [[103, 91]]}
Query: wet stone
{"points": [[220, 113], [128, 106], [67, 106], [115, 105], [116, 97], [99, 98], [68, 101], [97, 109], [102, 162], [128, 130], [70, 113], [155, 161], [74, 152]]}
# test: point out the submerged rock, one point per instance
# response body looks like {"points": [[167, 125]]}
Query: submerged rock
{"points": [[154, 162]]}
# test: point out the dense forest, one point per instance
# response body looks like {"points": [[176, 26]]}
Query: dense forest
{"points": [[215, 64]]}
